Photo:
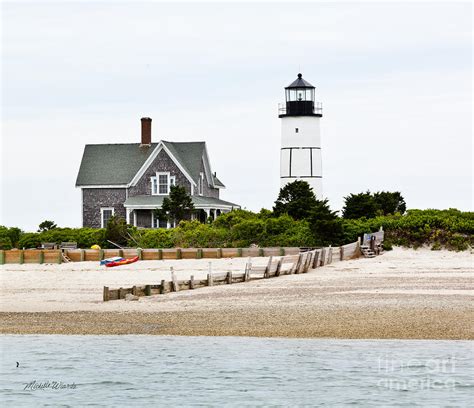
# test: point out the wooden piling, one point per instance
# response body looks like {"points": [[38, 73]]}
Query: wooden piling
{"points": [[239, 252], [162, 287], [160, 254], [229, 277], [40, 256], [341, 253], [179, 254], [120, 293], [147, 290], [199, 253], [209, 275], [83, 255], [2, 257], [134, 290], [139, 254], [191, 282], [278, 269], [323, 256], [174, 281], [330, 255], [261, 252], [106, 295], [60, 256], [316, 259], [282, 251], [266, 274], [219, 252]]}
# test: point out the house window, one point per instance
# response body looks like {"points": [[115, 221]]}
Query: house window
{"points": [[160, 185], [201, 184], [105, 215]]}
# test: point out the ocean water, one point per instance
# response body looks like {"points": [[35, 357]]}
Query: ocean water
{"points": [[132, 371]]}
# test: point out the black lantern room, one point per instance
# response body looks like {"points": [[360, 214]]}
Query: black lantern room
{"points": [[300, 99]]}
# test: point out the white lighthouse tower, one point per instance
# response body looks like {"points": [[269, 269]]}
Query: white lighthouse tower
{"points": [[300, 137]]}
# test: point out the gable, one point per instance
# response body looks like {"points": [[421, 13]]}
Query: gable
{"points": [[161, 163]]}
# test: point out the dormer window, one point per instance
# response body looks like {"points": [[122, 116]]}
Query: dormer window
{"points": [[201, 184], [160, 184]]}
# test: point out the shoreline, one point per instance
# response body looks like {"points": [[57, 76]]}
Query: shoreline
{"points": [[336, 324], [403, 294]]}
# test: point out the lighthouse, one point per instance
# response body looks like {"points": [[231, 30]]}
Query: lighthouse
{"points": [[300, 157]]}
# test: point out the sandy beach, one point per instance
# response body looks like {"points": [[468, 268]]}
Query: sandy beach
{"points": [[420, 294]]}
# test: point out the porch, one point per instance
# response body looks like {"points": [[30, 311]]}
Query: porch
{"points": [[139, 210]]}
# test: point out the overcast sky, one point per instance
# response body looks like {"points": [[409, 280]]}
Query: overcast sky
{"points": [[395, 81]]}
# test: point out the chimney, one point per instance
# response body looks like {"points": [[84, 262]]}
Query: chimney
{"points": [[146, 132]]}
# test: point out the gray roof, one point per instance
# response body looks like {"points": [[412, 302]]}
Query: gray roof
{"points": [[300, 83], [157, 201], [117, 164]]}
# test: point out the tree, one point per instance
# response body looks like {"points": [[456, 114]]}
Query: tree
{"points": [[46, 226], [359, 205], [390, 203], [117, 230], [325, 225], [295, 199], [370, 205], [177, 206]]}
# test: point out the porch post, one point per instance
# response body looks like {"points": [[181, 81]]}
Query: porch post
{"points": [[134, 218], [127, 213]]}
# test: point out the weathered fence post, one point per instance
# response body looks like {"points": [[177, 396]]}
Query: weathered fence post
{"points": [[121, 253], [316, 258], [83, 255], [239, 252], [280, 262], [266, 274], [282, 251], [341, 253], [101, 254], [174, 281], [40, 257], [209, 275], [191, 282], [179, 255], [261, 252], [21, 256], [199, 253], [139, 254], [2, 257], [60, 257], [323, 256], [106, 294], [120, 293], [219, 252], [229, 277], [307, 264], [162, 287], [147, 290], [160, 254], [330, 254]]}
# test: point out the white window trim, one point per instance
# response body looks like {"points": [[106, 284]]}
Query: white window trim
{"points": [[157, 177], [102, 209], [201, 184]]}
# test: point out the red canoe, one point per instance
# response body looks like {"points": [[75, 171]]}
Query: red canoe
{"points": [[124, 262]]}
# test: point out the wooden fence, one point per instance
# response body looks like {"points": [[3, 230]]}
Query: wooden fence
{"points": [[77, 255], [40, 256], [282, 265]]}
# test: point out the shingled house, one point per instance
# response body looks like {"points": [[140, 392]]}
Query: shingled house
{"points": [[130, 180]]}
